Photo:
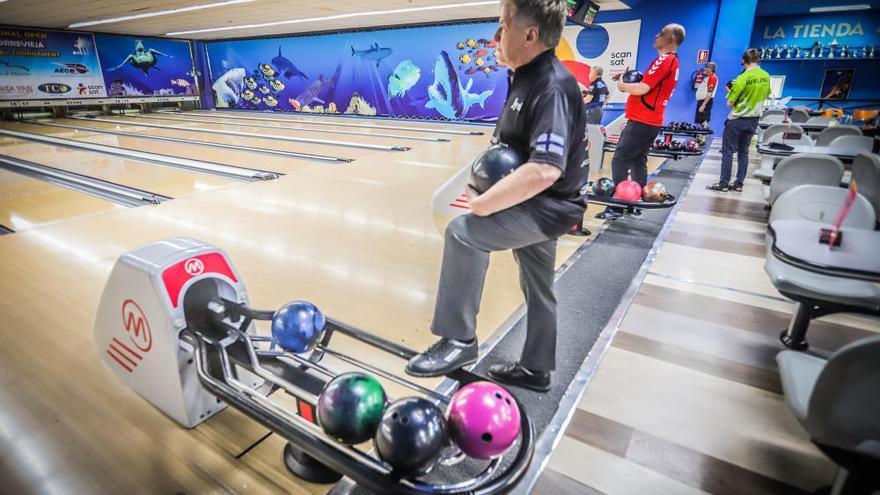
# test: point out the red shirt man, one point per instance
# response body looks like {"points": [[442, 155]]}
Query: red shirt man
{"points": [[644, 112], [661, 77]]}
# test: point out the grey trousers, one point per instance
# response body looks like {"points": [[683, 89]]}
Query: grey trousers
{"points": [[469, 240]]}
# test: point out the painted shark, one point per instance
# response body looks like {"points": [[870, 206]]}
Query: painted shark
{"points": [[447, 96]]}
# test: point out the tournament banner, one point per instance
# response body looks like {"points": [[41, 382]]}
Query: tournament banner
{"points": [[135, 66], [42, 64], [613, 46], [441, 72]]}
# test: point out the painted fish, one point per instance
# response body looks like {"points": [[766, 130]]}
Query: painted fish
{"points": [[465, 59], [264, 89], [491, 44], [247, 95], [277, 85], [447, 96], [256, 100], [286, 67], [404, 77], [471, 43], [481, 53], [250, 82], [487, 70], [267, 70], [183, 83], [373, 53], [460, 45], [482, 41], [270, 101], [227, 87], [471, 70], [479, 62], [311, 94]]}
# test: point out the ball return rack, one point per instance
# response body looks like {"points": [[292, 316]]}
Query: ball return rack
{"points": [[187, 343]]}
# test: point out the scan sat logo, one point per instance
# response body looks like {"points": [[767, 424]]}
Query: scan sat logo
{"points": [[54, 88], [140, 337]]}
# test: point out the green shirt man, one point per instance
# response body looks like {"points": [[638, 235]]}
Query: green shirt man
{"points": [[750, 89]]}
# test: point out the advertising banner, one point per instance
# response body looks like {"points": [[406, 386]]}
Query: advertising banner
{"points": [[855, 30], [43, 64], [146, 66], [613, 46]]}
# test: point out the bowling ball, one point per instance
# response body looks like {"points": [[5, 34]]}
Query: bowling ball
{"points": [[660, 145], [411, 436], [493, 164], [603, 187], [483, 420], [654, 192], [628, 190], [350, 407], [297, 326], [692, 146], [632, 76]]}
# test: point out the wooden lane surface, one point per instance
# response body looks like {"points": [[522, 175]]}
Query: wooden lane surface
{"points": [[354, 122], [304, 129], [236, 158], [26, 203], [147, 176], [338, 150], [359, 241]]}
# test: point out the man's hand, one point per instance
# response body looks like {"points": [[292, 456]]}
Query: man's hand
{"points": [[703, 107], [473, 199], [616, 77]]}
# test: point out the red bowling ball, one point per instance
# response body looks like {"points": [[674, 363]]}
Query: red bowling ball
{"points": [[628, 190]]}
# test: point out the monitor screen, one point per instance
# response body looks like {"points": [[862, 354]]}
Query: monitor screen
{"points": [[582, 12]]}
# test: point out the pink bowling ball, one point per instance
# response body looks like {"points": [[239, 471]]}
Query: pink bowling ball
{"points": [[483, 420], [628, 190]]}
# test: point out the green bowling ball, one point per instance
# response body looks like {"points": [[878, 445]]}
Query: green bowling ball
{"points": [[350, 407]]}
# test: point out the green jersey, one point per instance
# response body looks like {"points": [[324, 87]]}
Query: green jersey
{"points": [[748, 93]]}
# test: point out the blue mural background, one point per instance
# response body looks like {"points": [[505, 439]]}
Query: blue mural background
{"points": [[444, 72], [169, 72]]}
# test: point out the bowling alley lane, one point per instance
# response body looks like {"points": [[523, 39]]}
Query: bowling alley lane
{"points": [[146, 176], [26, 202], [263, 138], [314, 127], [238, 158], [338, 142]]}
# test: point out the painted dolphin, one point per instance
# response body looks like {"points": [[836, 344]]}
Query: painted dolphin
{"points": [[286, 67], [447, 96], [373, 53], [227, 88]]}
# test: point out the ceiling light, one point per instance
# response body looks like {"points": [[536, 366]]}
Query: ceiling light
{"points": [[338, 16], [158, 13], [841, 8]]}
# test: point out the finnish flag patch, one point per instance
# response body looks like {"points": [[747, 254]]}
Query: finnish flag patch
{"points": [[550, 143]]}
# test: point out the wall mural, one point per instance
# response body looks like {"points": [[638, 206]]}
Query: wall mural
{"points": [[443, 72], [146, 66]]}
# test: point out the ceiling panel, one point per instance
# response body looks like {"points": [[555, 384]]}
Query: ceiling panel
{"points": [[61, 14]]}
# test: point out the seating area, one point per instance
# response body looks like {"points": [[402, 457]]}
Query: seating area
{"points": [[813, 170]]}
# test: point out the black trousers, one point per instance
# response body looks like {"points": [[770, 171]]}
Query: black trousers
{"points": [[705, 116], [631, 155]]}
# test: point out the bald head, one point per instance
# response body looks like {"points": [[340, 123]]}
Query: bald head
{"points": [[669, 38]]}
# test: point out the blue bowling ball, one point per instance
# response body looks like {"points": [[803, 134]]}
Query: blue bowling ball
{"points": [[632, 76], [297, 327]]}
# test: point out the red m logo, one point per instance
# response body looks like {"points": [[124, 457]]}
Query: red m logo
{"points": [[137, 325]]}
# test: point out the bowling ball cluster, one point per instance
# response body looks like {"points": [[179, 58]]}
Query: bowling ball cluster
{"points": [[677, 146], [410, 434], [683, 126], [628, 190]]}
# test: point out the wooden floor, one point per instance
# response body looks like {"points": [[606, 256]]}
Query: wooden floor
{"points": [[688, 399], [360, 240]]}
